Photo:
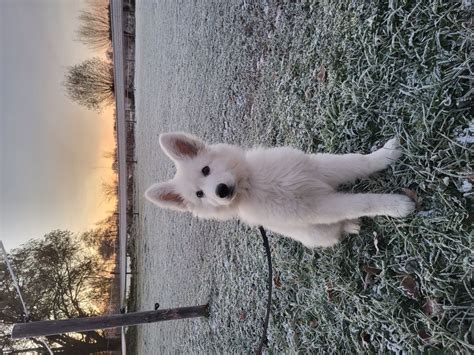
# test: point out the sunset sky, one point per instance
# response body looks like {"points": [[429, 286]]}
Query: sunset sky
{"points": [[51, 149]]}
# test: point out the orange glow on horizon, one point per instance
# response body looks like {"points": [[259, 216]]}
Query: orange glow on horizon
{"points": [[104, 173]]}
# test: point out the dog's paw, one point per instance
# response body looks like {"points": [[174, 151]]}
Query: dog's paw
{"points": [[351, 226], [388, 154], [392, 150], [401, 206]]}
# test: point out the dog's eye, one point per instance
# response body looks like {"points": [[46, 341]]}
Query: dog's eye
{"points": [[200, 194], [206, 171]]}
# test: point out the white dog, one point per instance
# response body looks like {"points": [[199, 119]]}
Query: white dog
{"points": [[283, 189]]}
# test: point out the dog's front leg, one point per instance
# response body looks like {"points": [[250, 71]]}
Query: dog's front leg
{"points": [[338, 207], [341, 169]]}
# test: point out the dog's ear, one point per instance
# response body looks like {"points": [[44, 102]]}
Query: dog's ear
{"points": [[164, 195], [179, 146]]}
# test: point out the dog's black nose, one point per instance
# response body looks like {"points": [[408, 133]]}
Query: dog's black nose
{"points": [[223, 191]]}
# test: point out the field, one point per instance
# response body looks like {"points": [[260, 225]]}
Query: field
{"points": [[332, 76]]}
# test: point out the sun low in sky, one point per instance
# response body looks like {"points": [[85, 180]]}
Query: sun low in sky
{"points": [[52, 164]]}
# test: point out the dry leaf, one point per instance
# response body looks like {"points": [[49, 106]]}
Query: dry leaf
{"points": [[431, 307], [329, 290], [276, 281], [365, 337], [410, 287], [424, 335], [371, 272], [243, 315], [321, 76]]}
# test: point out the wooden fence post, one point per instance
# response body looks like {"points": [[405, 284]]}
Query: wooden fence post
{"points": [[52, 327]]}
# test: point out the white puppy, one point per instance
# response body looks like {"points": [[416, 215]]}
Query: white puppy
{"points": [[283, 189]]}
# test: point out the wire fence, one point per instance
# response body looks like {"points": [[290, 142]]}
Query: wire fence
{"points": [[122, 29], [17, 287]]}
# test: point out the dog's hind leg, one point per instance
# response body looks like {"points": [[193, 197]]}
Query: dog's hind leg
{"points": [[340, 169], [338, 207], [317, 235]]}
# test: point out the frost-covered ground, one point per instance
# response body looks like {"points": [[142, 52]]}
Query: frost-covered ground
{"points": [[334, 76]]}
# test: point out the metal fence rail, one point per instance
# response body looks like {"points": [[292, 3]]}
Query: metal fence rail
{"points": [[116, 14]]}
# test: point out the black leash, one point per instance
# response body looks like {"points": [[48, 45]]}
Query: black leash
{"points": [[264, 340]]}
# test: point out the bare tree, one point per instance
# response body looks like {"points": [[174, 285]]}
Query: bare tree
{"points": [[94, 29], [58, 280], [113, 156], [110, 189], [91, 83], [103, 239]]}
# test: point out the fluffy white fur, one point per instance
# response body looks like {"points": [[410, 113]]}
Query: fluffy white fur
{"points": [[283, 189]]}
